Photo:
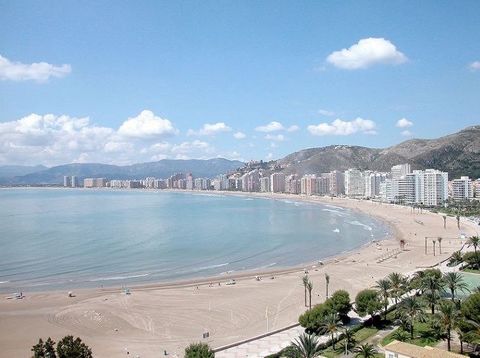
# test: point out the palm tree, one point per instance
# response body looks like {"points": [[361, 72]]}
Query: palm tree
{"points": [[384, 286], [327, 282], [309, 288], [449, 316], [366, 350], [440, 245], [475, 242], [432, 285], [398, 284], [444, 221], [458, 221], [307, 346], [454, 282], [349, 339], [412, 311], [331, 324], [305, 282]]}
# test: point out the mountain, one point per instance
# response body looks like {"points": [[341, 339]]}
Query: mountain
{"points": [[458, 154], [10, 171], [161, 169]]}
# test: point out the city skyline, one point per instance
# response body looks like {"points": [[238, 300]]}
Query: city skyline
{"points": [[202, 81]]}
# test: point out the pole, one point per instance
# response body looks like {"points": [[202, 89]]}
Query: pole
{"points": [[425, 245]]}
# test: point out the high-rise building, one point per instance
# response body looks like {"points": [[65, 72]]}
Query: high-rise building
{"points": [[308, 184], [264, 184], [433, 187], [277, 183], [462, 189], [476, 184], [292, 184], [337, 183], [66, 181], [94, 182], [399, 171], [354, 183], [323, 184], [190, 183], [74, 181]]}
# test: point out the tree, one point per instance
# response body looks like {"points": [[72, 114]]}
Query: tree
{"points": [[398, 284], [310, 288], [448, 315], [68, 347], [348, 340], [454, 282], [458, 222], [411, 310], [331, 325], [432, 284], [367, 302], [472, 259], [305, 281], [199, 350], [50, 348], [444, 221], [383, 287], [440, 245], [312, 319], [340, 303], [475, 242], [307, 346], [366, 350], [327, 282], [38, 349], [456, 258]]}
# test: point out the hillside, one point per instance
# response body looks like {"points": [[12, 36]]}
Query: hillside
{"points": [[458, 153], [161, 169]]}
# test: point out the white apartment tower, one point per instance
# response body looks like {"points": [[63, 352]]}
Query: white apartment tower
{"points": [[433, 187], [337, 183], [354, 183], [462, 189], [400, 170]]}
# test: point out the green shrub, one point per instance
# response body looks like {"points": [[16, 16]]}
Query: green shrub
{"points": [[199, 350], [367, 302]]}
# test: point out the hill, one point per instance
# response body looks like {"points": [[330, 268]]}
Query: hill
{"points": [[458, 154], [161, 169]]}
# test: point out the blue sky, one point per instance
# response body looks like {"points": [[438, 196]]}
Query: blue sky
{"points": [[124, 82]]}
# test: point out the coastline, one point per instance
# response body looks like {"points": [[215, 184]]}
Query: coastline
{"points": [[171, 315]]}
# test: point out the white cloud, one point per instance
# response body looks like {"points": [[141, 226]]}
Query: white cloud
{"points": [[325, 112], [366, 53], [271, 127], [210, 129], [475, 66], [198, 149], [404, 123], [293, 128], [276, 138], [269, 156], [406, 133], [40, 72], [239, 135], [146, 125], [341, 127]]}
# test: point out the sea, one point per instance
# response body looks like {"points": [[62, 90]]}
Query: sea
{"points": [[56, 239]]}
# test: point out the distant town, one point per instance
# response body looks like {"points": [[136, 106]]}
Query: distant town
{"points": [[401, 185]]}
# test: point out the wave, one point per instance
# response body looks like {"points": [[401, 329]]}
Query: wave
{"points": [[1, 282], [358, 223], [211, 267], [337, 230], [117, 277], [336, 212]]}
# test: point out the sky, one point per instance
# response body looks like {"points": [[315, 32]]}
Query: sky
{"points": [[123, 82]]}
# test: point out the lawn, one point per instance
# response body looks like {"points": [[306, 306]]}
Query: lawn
{"points": [[423, 336], [361, 335]]}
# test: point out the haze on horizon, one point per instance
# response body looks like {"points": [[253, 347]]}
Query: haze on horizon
{"points": [[137, 82]]}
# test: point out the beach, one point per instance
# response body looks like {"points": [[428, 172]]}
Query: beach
{"points": [[167, 317]]}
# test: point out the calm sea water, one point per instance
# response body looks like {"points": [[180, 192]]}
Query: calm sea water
{"points": [[67, 238]]}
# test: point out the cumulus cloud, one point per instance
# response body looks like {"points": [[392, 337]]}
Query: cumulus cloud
{"points": [[270, 127], [474, 66], [406, 133], [293, 128], [146, 125], [276, 138], [210, 129], [52, 140], [325, 112], [366, 53], [239, 135], [404, 123], [39, 72], [341, 127]]}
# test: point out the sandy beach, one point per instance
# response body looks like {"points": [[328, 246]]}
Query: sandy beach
{"points": [[170, 316]]}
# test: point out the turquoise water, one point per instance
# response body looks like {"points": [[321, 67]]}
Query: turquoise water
{"points": [[67, 238]]}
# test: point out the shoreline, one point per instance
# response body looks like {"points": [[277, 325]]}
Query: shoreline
{"points": [[170, 316]]}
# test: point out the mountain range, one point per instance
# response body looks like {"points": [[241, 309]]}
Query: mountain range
{"points": [[458, 154], [160, 169]]}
